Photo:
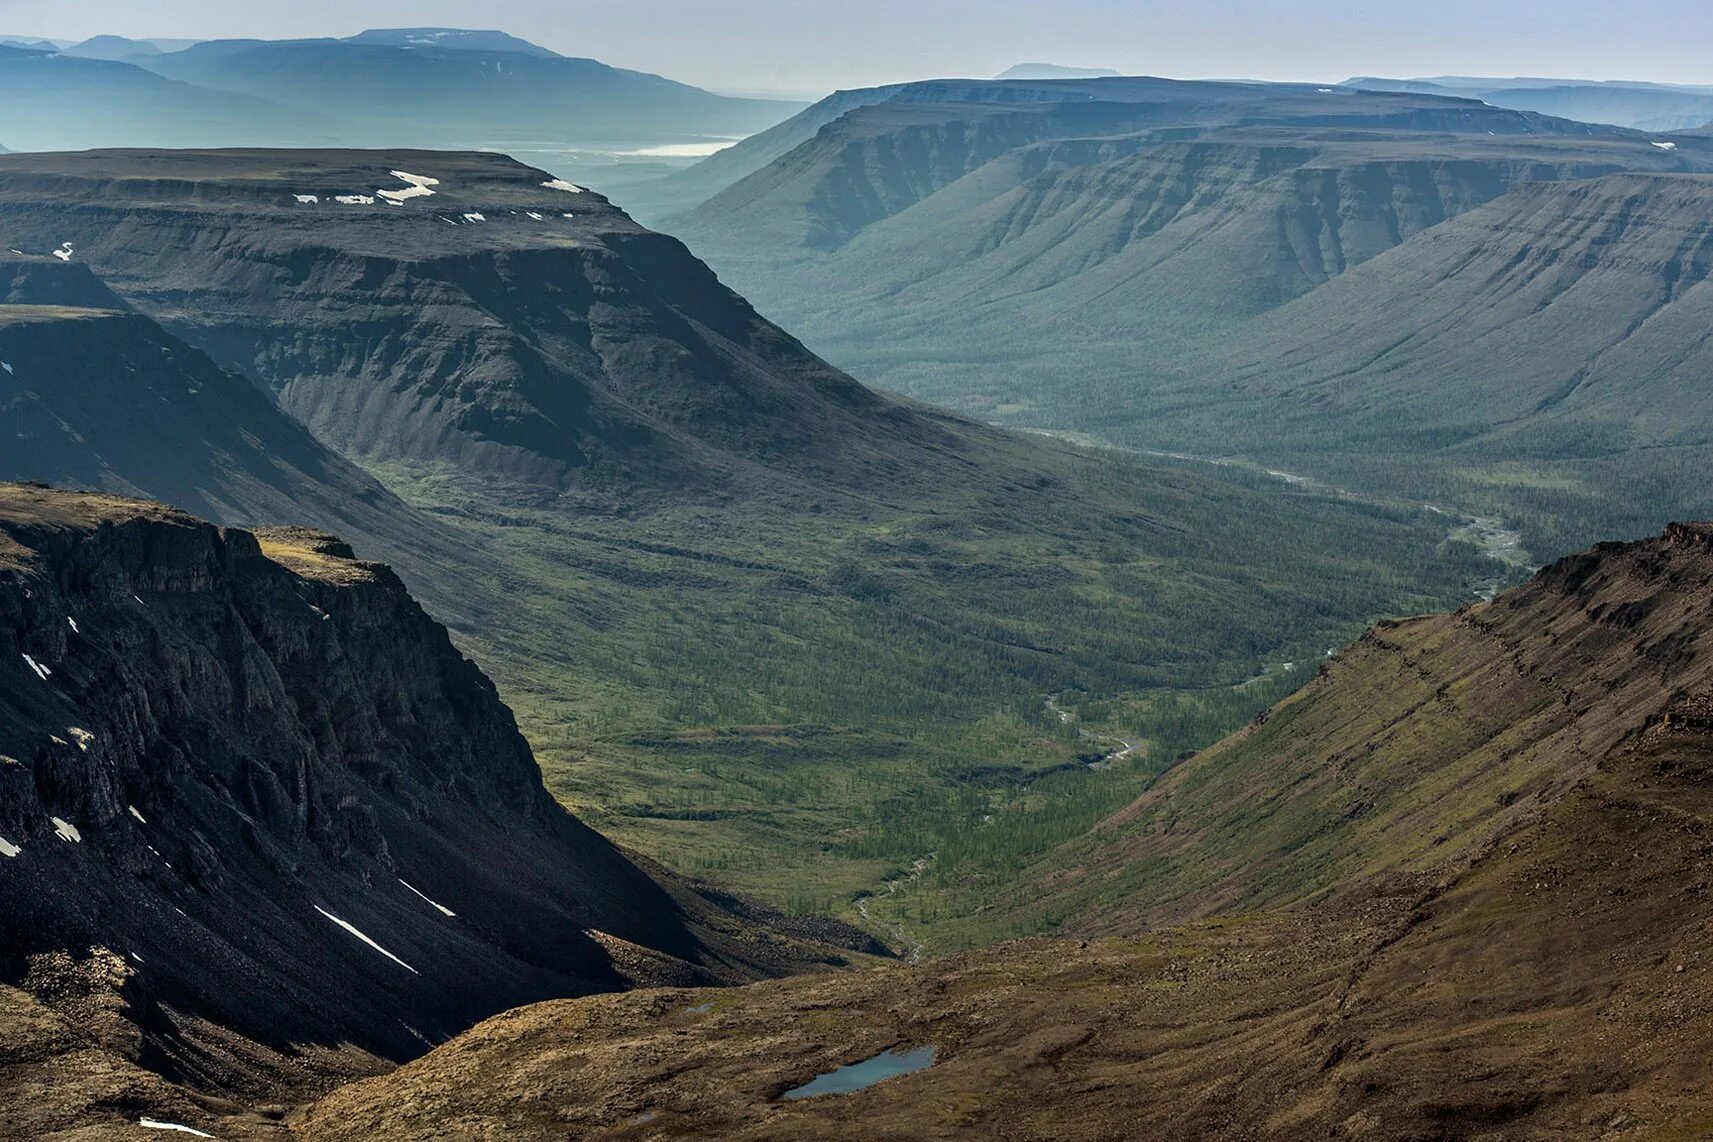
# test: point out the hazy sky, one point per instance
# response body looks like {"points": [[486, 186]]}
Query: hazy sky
{"points": [[817, 45]]}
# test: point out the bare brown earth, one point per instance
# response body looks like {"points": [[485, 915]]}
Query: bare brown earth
{"points": [[1548, 980]]}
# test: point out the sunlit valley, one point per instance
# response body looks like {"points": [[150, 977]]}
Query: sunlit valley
{"points": [[539, 600]]}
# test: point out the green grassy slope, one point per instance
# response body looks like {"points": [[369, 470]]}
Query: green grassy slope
{"points": [[1407, 752]]}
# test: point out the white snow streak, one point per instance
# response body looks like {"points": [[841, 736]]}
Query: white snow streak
{"points": [[8, 849], [137, 815], [1666, 146], [152, 1124], [355, 199], [64, 252], [418, 187], [475, 218], [66, 831], [8, 367], [443, 909], [73, 624], [531, 213], [42, 672], [306, 199], [351, 928], [561, 184]]}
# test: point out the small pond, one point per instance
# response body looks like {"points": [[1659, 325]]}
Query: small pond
{"points": [[860, 1076]]}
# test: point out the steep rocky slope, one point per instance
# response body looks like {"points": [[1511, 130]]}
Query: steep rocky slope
{"points": [[263, 825], [1524, 963]]}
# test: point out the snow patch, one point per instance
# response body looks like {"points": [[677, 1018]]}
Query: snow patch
{"points": [[567, 216], [8, 367], [1666, 146], [531, 213], [355, 199], [561, 184], [417, 188], [42, 672], [81, 736], [445, 911], [8, 849], [152, 1124], [66, 831], [64, 252], [352, 928], [475, 218], [73, 624], [139, 816], [139, 599], [307, 199]]}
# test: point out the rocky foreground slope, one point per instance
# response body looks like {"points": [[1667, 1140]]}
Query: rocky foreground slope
{"points": [[1528, 961], [262, 826]]}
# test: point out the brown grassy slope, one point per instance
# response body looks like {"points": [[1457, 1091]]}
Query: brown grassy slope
{"points": [[1412, 749], [1548, 982]]}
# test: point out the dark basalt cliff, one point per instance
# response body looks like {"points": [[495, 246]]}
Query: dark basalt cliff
{"points": [[248, 779]]}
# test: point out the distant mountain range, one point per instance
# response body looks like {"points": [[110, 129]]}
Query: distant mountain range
{"points": [[1152, 260], [431, 87], [1644, 106], [1053, 71]]}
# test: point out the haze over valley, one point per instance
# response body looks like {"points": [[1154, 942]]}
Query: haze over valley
{"points": [[544, 597]]}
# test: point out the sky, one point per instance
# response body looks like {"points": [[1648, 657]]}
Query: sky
{"points": [[814, 46]]}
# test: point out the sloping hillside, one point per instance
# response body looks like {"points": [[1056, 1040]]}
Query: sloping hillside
{"points": [[1514, 952]]}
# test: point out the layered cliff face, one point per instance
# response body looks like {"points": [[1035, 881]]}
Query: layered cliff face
{"points": [[252, 797], [1509, 812], [1561, 312], [1067, 264], [466, 314], [876, 156], [1120, 239]]}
